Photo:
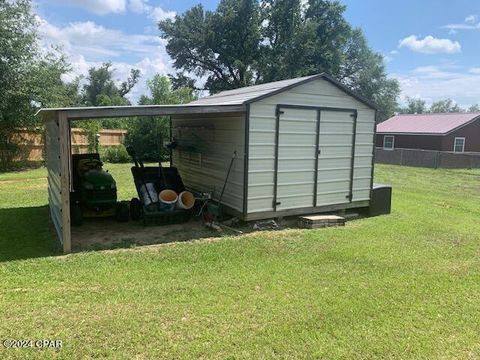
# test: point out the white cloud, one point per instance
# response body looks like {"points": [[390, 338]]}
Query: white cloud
{"points": [[471, 22], [95, 41], [88, 44], [158, 14], [437, 82], [471, 19], [137, 6], [154, 13], [103, 7], [475, 70], [99, 7], [430, 45]]}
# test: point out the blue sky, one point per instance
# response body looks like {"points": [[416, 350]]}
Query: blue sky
{"points": [[431, 47]]}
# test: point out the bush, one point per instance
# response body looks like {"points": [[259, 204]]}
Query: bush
{"points": [[114, 154], [146, 136]]}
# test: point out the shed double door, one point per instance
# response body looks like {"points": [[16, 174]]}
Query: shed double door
{"points": [[314, 157]]}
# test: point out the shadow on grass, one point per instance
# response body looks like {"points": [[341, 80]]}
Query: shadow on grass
{"points": [[26, 233]]}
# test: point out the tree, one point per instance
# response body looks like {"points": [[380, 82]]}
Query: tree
{"points": [[147, 134], [29, 78], [282, 46], [221, 46], [101, 90], [247, 42], [474, 108], [162, 92], [414, 106], [445, 106]]}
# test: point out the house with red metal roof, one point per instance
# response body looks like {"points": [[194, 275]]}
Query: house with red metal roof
{"points": [[454, 132]]}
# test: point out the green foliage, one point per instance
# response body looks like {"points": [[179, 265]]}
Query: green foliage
{"points": [[101, 90], [249, 42], [147, 135], [445, 106], [474, 108], [418, 106], [414, 106], [29, 79], [221, 45], [114, 154]]}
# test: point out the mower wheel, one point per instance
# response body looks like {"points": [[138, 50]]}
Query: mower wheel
{"points": [[76, 214], [122, 212], [135, 209]]}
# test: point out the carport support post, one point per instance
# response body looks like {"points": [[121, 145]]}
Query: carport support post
{"points": [[64, 134]]}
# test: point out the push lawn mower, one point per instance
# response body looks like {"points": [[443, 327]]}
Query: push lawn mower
{"points": [[94, 191]]}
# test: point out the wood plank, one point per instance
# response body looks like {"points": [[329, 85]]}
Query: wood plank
{"points": [[64, 135]]}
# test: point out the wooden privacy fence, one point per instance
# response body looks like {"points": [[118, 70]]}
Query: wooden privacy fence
{"points": [[31, 143], [427, 158]]}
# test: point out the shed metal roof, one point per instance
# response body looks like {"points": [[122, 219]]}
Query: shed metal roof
{"points": [[225, 101], [249, 94], [434, 124]]}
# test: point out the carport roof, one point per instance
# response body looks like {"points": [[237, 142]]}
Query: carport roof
{"points": [[136, 110]]}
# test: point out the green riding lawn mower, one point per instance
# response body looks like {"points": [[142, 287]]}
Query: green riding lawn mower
{"points": [[94, 191]]}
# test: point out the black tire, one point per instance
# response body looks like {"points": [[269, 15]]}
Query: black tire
{"points": [[123, 212], [76, 214], [135, 209]]}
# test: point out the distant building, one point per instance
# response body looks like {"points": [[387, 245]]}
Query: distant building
{"points": [[455, 132]]}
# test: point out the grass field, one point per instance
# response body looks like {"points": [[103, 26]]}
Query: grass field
{"points": [[403, 286]]}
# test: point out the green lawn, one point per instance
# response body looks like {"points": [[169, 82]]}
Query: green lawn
{"points": [[401, 286]]}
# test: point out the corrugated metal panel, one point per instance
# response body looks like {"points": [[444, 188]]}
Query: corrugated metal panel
{"points": [[319, 93], [296, 155], [210, 141], [425, 123], [255, 93], [335, 159], [52, 136], [241, 95]]}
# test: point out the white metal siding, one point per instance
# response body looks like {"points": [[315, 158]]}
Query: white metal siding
{"points": [[52, 146], [215, 138], [335, 159], [262, 139], [296, 158]]}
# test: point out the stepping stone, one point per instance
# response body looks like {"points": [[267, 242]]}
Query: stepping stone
{"points": [[320, 221]]}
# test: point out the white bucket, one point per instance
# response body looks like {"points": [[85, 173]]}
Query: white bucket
{"points": [[168, 199], [186, 200], [151, 191]]}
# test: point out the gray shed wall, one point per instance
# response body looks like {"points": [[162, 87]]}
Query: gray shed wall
{"points": [[206, 143], [261, 169]]}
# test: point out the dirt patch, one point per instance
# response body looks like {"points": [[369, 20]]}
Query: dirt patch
{"points": [[108, 233]]}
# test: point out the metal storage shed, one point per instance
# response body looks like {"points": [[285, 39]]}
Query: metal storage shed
{"points": [[303, 145]]}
